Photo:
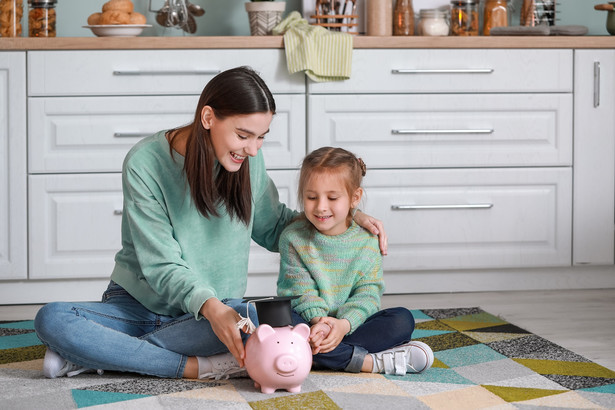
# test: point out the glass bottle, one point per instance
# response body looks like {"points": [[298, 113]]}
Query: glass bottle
{"points": [[432, 22], [42, 18], [496, 14], [403, 18], [464, 18], [11, 12]]}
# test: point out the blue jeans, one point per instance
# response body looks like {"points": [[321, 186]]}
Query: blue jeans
{"points": [[120, 334], [383, 330]]}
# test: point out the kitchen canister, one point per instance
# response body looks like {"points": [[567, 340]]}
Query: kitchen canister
{"points": [[42, 18], [432, 22], [495, 14], [11, 12], [403, 18], [537, 12], [464, 18], [379, 17]]}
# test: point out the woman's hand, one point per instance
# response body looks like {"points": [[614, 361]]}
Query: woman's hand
{"points": [[223, 321], [339, 329], [375, 226]]}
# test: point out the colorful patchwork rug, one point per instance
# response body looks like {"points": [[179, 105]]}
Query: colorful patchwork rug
{"points": [[482, 361]]}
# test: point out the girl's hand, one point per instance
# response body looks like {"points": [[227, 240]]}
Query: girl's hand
{"points": [[375, 226], [339, 329], [223, 321], [318, 333]]}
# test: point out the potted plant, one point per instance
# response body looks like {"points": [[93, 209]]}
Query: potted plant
{"points": [[264, 15]]}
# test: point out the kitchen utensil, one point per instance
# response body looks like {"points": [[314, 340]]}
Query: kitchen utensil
{"points": [[195, 9], [610, 17], [162, 15]]}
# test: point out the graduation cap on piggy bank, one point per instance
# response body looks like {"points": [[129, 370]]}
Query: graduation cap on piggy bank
{"points": [[274, 311]]}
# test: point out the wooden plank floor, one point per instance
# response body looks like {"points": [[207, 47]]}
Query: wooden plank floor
{"points": [[580, 320]]}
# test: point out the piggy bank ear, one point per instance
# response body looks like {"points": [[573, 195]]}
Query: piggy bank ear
{"points": [[263, 332], [302, 330]]}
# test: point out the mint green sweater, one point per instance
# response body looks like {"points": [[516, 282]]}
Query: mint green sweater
{"points": [[172, 258], [338, 276]]}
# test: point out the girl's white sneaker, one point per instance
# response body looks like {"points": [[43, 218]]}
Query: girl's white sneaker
{"points": [[412, 357]]}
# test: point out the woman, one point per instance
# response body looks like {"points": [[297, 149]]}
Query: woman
{"points": [[194, 196]]}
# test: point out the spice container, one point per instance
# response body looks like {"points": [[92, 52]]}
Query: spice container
{"points": [[496, 14], [403, 18], [379, 17], [464, 18], [11, 12], [432, 22], [42, 18]]}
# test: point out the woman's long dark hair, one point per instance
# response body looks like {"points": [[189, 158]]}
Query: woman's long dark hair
{"points": [[233, 92]]}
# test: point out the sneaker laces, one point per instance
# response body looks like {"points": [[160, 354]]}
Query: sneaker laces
{"points": [[225, 374]]}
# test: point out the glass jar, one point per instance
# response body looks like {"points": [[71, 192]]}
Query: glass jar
{"points": [[403, 18], [495, 14], [11, 12], [464, 18], [432, 22], [42, 18]]}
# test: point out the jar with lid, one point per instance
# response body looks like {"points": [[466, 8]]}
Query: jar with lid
{"points": [[464, 18], [11, 12], [42, 18], [432, 22], [495, 14], [403, 18]]}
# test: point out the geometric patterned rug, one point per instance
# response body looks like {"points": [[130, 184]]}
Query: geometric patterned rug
{"points": [[481, 361]]}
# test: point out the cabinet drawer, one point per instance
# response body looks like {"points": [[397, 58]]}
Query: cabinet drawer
{"points": [[474, 218], [93, 134], [75, 222], [446, 130], [149, 72], [416, 71]]}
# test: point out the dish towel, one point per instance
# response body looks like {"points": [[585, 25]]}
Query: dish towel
{"points": [[323, 55]]}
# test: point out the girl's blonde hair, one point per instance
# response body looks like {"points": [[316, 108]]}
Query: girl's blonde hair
{"points": [[330, 160]]}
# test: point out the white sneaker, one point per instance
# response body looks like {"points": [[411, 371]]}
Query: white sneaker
{"points": [[224, 366], [55, 365], [412, 357]]}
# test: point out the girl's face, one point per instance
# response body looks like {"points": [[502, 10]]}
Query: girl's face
{"points": [[327, 204], [237, 137]]}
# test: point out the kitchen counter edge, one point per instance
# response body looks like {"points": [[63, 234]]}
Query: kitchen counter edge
{"points": [[246, 42]]}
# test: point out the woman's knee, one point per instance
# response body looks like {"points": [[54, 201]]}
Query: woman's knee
{"points": [[50, 320]]}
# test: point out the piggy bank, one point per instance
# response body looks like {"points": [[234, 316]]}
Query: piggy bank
{"points": [[279, 357]]}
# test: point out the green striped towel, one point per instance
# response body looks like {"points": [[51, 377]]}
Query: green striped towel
{"points": [[324, 55]]}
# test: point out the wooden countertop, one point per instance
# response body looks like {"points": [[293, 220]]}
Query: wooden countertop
{"points": [[239, 42]]}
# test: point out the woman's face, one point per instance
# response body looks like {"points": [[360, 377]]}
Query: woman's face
{"points": [[237, 137]]}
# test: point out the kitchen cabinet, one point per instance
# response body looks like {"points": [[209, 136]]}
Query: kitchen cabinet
{"points": [[13, 217], [469, 153], [79, 131], [594, 157]]}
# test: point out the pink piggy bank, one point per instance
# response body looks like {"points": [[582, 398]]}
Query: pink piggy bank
{"points": [[279, 357]]}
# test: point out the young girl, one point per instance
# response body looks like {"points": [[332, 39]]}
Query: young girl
{"points": [[336, 267], [194, 197]]}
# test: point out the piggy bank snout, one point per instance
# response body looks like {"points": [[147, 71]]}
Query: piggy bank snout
{"points": [[286, 363]]}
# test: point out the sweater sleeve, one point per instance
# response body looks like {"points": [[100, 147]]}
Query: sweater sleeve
{"points": [[366, 293], [295, 279]]}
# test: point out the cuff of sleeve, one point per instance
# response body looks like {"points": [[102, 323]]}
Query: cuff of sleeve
{"points": [[197, 300], [354, 320], [311, 313]]}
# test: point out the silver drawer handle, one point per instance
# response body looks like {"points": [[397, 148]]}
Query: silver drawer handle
{"points": [[132, 134], [477, 131], [596, 84], [443, 71], [450, 206], [118, 212], [171, 72]]}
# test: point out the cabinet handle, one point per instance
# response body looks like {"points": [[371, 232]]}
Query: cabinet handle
{"points": [[171, 72], [477, 131], [118, 212], [450, 206], [596, 84], [443, 71], [132, 134]]}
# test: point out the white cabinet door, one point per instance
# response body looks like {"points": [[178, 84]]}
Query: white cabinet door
{"points": [[13, 218], [75, 225], [473, 218], [594, 157]]}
